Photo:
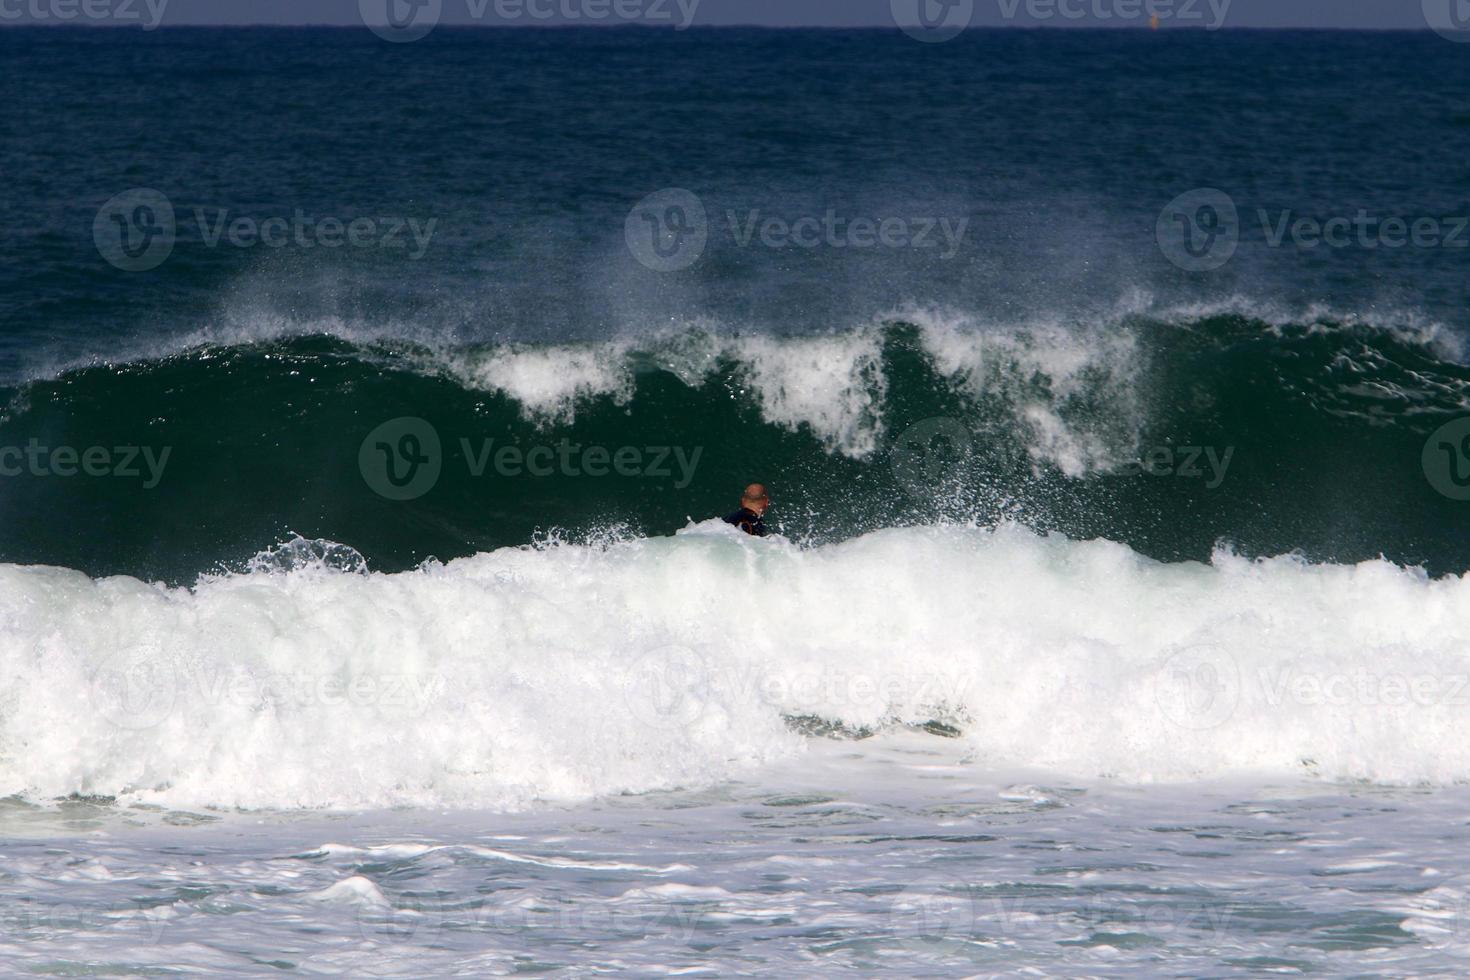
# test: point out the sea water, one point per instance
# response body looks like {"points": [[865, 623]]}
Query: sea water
{"points": [[361, 610]]}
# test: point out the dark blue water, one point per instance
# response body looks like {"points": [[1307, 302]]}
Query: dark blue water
{"points": [[493, 174]]}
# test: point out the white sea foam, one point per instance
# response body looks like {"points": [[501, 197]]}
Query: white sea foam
{"points": [[1073, 390], [564, 673], [832, 384], [1406, 325], [547, 382]]}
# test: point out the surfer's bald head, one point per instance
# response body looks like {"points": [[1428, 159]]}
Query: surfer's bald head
{"points": [[755, 498]]}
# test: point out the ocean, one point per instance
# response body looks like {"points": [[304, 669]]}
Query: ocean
{"points": [[367, 409]]}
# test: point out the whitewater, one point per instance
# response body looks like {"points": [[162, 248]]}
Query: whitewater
{"points": [[944, 749], [1117, 621], [565, 672]]}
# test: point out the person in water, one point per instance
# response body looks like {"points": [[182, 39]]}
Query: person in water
{"points": [[753, 506]]}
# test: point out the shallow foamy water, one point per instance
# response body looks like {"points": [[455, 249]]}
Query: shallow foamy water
{"points": [[887, 854]]}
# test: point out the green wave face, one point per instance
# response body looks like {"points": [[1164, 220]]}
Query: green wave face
{"points": [[1173, 437]]}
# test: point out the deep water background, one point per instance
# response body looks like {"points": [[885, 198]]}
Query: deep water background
{"points": [[264, 369]]}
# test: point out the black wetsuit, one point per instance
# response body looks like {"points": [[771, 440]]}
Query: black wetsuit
{"points": [[748, 521]]}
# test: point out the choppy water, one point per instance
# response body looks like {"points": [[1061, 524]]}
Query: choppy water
{"points": [[891, 855], [360, 405]]}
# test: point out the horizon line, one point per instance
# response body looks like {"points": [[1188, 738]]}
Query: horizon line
{"points": [[478, 25]]}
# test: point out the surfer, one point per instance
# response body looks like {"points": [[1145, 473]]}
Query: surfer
{"points": [[753, 504]]}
